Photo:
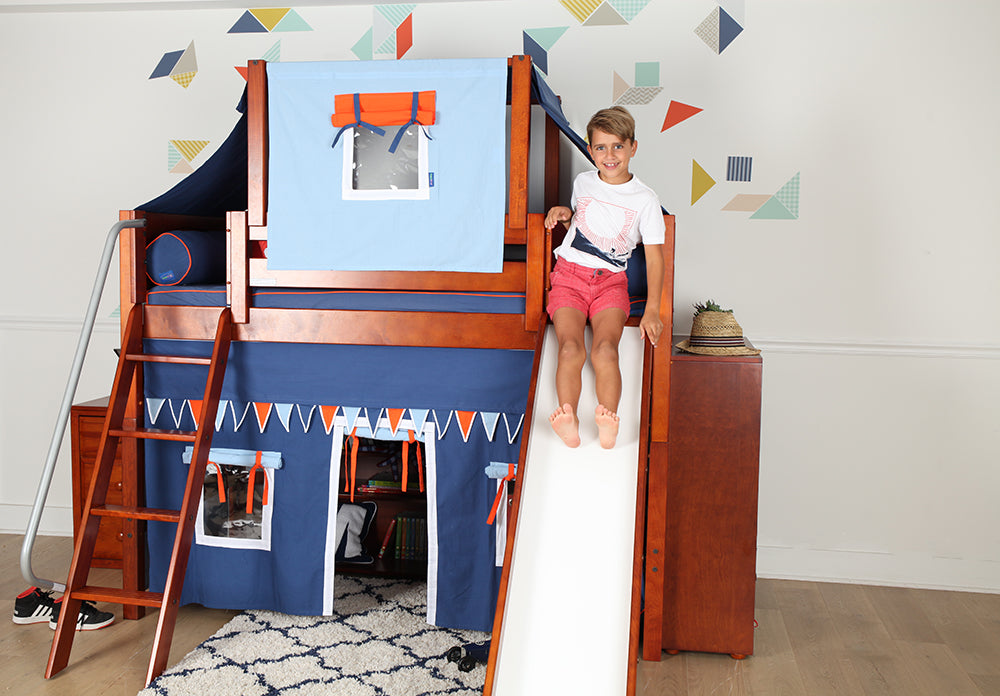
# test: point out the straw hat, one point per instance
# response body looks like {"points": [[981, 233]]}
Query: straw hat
{"points": [[716, 333]]}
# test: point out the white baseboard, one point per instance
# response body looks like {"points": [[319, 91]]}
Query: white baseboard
{"points": [[56, 520], [874, 568]]}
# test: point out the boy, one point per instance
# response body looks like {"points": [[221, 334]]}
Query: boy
{"points": [[613, 212]]}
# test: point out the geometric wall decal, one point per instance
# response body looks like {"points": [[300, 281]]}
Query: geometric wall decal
{"points": [[180, 66], [598, 13], [647, 72], [784, 205], [392, 30], [701, 182], [628, 8], [181, 152], [718, 30], [267, 19], [539, 56], [747, 202], [738, 168], [678, 112], [581, 9], [537, 43], [618, 86], [605, 16], [364, 49]]}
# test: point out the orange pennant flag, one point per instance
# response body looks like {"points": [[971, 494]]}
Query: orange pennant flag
{"points": [[263, 410], [465, 419], [395, 415], [195, 410], [328, 413]]}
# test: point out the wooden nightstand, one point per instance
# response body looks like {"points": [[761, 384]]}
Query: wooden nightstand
{"points": [[86, 422]]}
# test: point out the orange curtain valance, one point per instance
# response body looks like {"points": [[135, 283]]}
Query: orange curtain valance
{"points": [[384, 109]]}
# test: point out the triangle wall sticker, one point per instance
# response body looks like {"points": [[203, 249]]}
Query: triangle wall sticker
{"points": [[677, 112], [701, 182]]}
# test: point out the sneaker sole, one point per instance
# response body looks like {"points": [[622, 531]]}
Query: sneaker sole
{"points": [[87, 627], [25, 620]]}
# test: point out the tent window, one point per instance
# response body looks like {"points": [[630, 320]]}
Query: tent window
{"points": [[371, 172]]}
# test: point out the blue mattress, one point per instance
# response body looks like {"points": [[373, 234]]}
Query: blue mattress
{"points": [[384, 300]]}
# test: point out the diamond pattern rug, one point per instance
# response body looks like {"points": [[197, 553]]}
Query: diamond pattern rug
{"points": [[378, 644]]}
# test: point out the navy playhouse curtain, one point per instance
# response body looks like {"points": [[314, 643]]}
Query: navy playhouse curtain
{"points": [[290, 577]]}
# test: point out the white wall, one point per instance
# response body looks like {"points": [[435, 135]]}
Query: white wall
{"points": [[875, 308]]}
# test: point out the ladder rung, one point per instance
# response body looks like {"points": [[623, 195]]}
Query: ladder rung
{"points": [[137, 513], [116, 595], [155, 434], [177, 359]]}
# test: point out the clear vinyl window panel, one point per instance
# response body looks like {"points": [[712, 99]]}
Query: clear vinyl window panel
{"points": [[235, 508], [373, 173]]}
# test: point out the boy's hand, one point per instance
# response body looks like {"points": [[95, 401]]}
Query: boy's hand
{"points": [[558, 214], [651, 327]]}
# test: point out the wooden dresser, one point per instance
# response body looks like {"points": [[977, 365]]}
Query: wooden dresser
{"points": [[86, 421], [705, 492]]}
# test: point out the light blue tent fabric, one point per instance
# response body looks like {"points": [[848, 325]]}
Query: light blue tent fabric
{"points": [[459, 228]]}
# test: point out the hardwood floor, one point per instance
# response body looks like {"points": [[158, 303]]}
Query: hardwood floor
{"points": [[812, 639]]}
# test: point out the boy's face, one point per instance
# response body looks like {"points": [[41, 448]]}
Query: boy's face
{"points": [[611, 155]]}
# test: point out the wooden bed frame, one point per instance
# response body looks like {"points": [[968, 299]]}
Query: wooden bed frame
{"points": [[525, 331]]}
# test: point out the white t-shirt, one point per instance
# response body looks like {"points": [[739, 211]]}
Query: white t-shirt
{"points": [[609, 220]]}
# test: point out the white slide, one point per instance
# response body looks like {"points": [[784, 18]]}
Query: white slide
{"points": [[566, 623]]}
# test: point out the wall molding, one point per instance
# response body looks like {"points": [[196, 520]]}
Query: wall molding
{"points": [[879, 568], [15, 323], [885, 349]]}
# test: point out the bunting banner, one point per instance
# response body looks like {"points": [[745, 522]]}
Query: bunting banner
{"points": [[384, 423]]}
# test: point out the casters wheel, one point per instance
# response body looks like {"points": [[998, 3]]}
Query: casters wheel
{"points": [[466, 664], [455, 654]]}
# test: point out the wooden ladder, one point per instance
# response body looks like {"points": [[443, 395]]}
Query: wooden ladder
{"points": [[77, 589]]}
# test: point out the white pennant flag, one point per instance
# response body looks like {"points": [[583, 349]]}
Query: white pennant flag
{"points": [[177, 415], [306, 420], [441, 429], [511, 436], [238, 420]]}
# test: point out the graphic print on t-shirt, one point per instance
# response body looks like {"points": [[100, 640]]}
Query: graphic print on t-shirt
{"points": [[593, 215]]}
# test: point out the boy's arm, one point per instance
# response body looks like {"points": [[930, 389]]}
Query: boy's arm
{"points": [[560, 213], [651, 326]]}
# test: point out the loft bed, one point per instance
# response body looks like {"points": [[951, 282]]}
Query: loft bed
{"points": [[317, 354]]}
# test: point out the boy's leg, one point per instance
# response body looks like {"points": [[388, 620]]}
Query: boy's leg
{"points": [[569, 324], [607, 326]]}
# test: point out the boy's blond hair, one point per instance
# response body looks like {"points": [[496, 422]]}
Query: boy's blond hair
{"points": [[615, 120]]}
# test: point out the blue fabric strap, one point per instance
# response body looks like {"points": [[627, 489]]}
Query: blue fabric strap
{"points": [[413, 119], [358, 122]]}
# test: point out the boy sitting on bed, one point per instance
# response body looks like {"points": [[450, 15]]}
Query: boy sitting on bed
{"points": [[613, 212]]}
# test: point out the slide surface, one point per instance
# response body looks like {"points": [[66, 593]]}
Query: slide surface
{"points": [[566, 623]]}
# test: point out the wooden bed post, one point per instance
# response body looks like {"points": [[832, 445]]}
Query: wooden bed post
{"points": [[257, 142], [656, 524], [520, 136]]}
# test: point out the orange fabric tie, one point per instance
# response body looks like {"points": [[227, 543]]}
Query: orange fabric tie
{"points": [[218, 478], [253, 473], [511, 471]]}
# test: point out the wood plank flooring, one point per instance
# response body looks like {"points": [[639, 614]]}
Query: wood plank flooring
{"points": [[812, 639]]}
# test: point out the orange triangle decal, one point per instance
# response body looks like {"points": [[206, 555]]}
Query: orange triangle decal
{"points": [[328, 413], [678, 112], [242, 70], [465, 419]]}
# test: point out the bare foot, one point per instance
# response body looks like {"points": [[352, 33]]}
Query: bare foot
{"points": [[607, 426], [566, 425]]}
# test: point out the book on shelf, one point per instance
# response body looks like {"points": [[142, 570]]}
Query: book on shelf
{"points": [[387, 538]]}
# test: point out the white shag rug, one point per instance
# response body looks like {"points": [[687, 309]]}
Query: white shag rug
{"points": [[377, 644]]}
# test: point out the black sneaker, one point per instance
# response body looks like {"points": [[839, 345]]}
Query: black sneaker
{"points": [[34, 606], [90, 617]]}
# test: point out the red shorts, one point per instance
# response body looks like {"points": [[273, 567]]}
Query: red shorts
{"points": [[591, 290]]}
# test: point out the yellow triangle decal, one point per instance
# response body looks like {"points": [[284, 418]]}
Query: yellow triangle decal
{"points": [[184, 79], [270, 16], [701, 182], [189, 148]]}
